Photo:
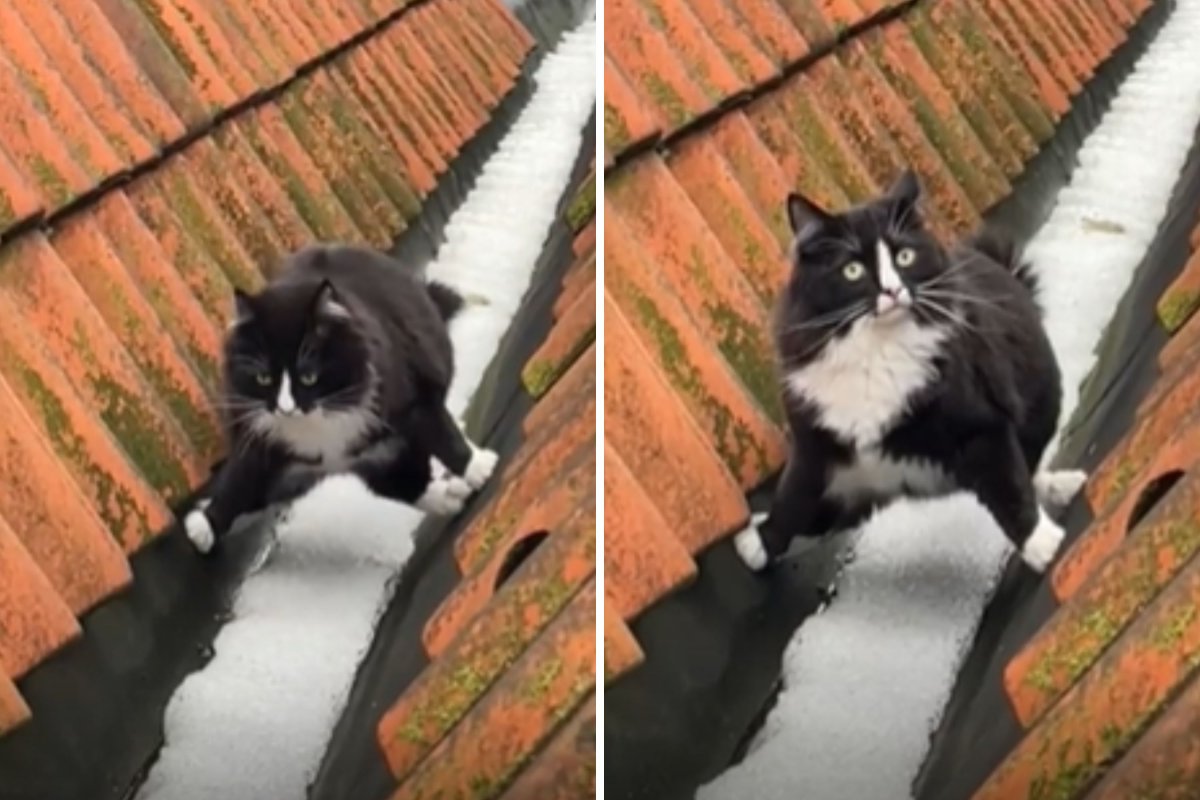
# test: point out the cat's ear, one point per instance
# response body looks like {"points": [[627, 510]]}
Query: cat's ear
{"points": [[805, 216], [327, 304], [243, 307], [905, 193]]}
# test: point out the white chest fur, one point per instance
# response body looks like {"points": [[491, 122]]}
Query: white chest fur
{"points": [[329, 436], [873, 475], [862, 383]]}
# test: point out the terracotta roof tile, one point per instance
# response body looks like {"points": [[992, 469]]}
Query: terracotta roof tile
{"points": [[1108, 684], [505, 706], [519, 714], [493, 639], [13, 710], [34, 620], [1134, 680], [621, 650], [643, 560], [566, 769]]}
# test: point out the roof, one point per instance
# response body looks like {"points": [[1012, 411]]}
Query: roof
{"points": [[1105, 691], [505, 706], [155, 157], [711, 117]]}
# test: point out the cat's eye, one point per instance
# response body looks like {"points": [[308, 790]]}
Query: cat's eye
{"points": [[854, 271], [906, 257], [263, 378], [308, 378]]}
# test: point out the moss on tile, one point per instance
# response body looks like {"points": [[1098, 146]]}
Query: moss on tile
{"points": [[115, 505], [540, 374], [1073, 651], [317, 214], [734, 443], [205, 231], [8, 214], [152, 9], [583, 206], [50, 180], [616, 132], [666, 98], [1166, 638], [1176, 308], [746, 350], [126, 417], [820, 147], [495, 532]]}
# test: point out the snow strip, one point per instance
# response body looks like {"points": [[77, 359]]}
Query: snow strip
{"points": [[254, 723], [866, 682]]}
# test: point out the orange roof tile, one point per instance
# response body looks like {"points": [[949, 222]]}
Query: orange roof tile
{"points": [[1108, 684], [506, 705]]}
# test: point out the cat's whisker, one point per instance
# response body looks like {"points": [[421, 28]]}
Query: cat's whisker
{"points": [[953, 316], [829, 335], [998, 304], [826, 319]]}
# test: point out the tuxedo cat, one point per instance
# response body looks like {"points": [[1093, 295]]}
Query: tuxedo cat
{"points": [[341, 364], [910, 370]]}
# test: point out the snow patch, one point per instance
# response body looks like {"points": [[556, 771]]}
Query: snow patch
{"points": [[254, 723], [867, 681]]}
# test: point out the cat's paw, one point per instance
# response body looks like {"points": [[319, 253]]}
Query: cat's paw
{"points": [[750, 547], [1057, 488], [199, 529], [1042, 545], [443, 497], [480, 468]]}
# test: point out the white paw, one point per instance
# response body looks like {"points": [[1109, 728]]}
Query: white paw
{"points": [[442, 498], [1056, 489], [749, 545], [199, 530], [1042, 545], [481, 467], [456, 487]]}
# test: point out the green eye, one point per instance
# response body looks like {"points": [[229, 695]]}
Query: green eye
{"points": [[854, 271], [308, 378], [263, 378], [906, 257]]}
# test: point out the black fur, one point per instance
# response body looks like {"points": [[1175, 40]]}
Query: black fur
{"points": [[356, 333], [987, 416], [448, 301]]}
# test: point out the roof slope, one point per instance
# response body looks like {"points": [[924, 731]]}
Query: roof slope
{"points": [[505, 707], [713, 112], [1105, 691], [153, 157]]}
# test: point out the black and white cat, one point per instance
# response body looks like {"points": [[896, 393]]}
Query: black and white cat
{"points": [[910, 370], [341, 364]]}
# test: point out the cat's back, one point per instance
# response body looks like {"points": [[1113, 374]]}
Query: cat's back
{"points": [[370, 277]]}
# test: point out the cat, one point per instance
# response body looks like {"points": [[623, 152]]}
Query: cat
{"points": [[908, 370], [340, 364]]}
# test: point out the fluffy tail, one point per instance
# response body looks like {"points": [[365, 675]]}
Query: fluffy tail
{"points": [[1004, 251], [448, 301]]}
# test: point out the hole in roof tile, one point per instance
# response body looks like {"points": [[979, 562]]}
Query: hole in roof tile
{"points": [[518, 555], [1151, 493]]}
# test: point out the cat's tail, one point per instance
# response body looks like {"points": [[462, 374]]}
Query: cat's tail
{"points": [[1003, 250], [448, 301]]}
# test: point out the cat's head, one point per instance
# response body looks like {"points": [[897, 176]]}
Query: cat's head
{"points": [[294, 351], [871, 260]]}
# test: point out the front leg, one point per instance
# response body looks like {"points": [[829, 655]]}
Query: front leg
{"points": [[408, 476], [991, 465], [796, 509], [437, 431], [239, 487]]}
